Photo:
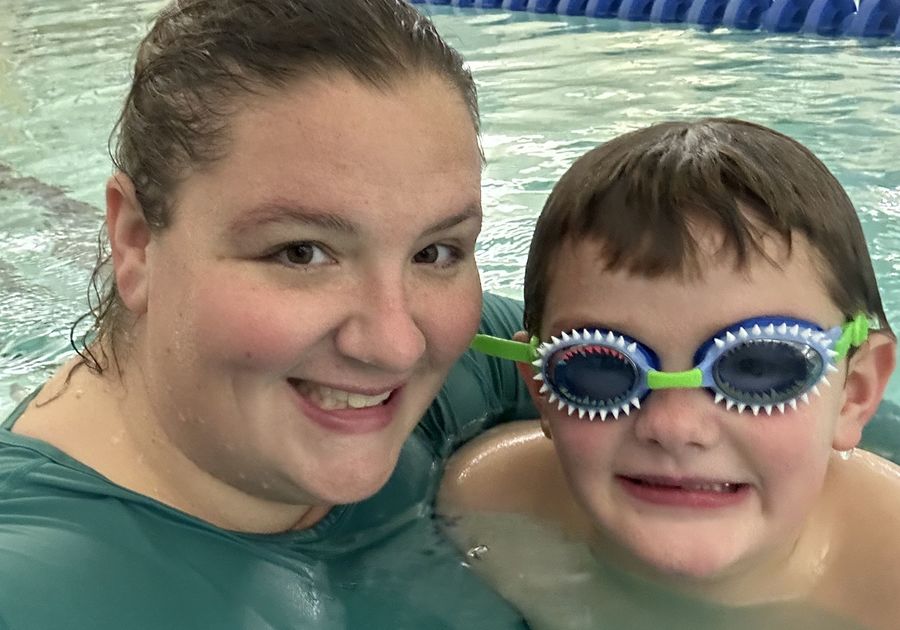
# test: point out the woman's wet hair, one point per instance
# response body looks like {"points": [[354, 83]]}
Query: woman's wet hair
{"points": [[642, 195], [202, 59]]}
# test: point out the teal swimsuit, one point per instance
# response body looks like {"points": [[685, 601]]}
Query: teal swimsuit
{"points": [[80, 553]]}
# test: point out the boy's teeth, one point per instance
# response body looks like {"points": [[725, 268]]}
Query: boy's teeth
{"points": [[330, 398], [722, 487], [712, 487]]}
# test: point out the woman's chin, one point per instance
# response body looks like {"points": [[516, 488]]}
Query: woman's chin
{"points": [[349, 486]]}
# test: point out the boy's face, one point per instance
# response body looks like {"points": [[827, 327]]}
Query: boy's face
{"points": [[686, 486]]}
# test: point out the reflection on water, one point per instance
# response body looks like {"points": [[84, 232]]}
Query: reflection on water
{"points": [[559, 584], [550, 88]]}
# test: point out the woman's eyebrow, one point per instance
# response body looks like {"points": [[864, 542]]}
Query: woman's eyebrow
{"points": [[472, 211], [289, 212], [280, 212]]}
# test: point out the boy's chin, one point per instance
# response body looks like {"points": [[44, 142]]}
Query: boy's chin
{"points": [[695, 559], [701, 567]]}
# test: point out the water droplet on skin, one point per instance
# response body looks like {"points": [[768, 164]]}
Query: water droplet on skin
{"points": [[477, 552]]}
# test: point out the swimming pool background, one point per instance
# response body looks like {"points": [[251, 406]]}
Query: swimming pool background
{"points": [[550, 89]]}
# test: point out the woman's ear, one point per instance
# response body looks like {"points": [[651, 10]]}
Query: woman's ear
{"points": [[868, 373], [526, 371], [129, 236]]}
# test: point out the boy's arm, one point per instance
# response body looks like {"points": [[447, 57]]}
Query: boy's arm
{"points": [[505, 505], [503, 470], [510, 469]]}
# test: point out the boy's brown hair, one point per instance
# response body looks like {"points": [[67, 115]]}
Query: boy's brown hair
{"points": [[640, 194]]}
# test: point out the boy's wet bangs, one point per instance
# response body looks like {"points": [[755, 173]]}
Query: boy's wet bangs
{"points": [[657, 220]]}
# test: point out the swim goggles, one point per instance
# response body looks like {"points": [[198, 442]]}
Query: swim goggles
{"points": [[757, 364]]}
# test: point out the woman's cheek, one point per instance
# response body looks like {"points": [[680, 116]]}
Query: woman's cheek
{"points": [[252, 327], [451, 318]]}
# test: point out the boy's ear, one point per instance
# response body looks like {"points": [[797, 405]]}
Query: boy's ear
{"points": [[129, 236], [868, 373], [526, 371]]}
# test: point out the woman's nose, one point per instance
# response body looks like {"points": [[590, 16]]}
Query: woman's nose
{"points": [[383, 330]]}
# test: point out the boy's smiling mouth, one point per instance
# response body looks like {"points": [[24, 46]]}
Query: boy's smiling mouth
{"points": [[684, 491]]}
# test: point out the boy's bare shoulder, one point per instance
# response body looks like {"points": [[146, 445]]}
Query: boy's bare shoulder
{"points": [[511, 468], [864, 575], [869, 495]]}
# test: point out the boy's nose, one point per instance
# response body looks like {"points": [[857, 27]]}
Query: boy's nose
{"points": [[382, 330], [678, 420]]}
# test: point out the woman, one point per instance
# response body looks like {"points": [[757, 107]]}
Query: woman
{"points": [[292, 227]]}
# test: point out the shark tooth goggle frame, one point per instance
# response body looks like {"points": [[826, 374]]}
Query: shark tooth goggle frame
{"points": [[757, 364]]}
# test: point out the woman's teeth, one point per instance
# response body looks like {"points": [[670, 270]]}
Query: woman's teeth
{"points": [[329, 398]]}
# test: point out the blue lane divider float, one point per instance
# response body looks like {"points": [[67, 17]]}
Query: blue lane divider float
{"points": [[745, 14], [829, 18], [669, 11], [635, 10], [786, 16], [602, 8], [571, 7]]}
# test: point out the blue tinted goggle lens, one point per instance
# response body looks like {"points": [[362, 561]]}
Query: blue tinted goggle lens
{"points": [[593, 375], [767, 372]]}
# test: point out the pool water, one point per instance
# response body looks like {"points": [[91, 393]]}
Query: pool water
{"points": [[551, 88]]}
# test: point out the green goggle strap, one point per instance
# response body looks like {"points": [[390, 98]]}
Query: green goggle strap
{"points": [[854, 334], [688, 379], [506, 348]]}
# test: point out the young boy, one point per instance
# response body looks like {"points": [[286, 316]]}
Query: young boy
{"points": [[708, 343]]}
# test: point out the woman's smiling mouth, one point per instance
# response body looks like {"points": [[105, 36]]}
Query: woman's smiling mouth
{"points": [[343, 411], [332, 398]]}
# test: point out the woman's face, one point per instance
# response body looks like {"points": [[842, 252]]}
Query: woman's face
{"points": [[315, 286]]}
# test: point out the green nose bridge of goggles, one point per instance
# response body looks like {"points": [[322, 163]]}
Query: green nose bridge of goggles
{"points": [[853, 333]]}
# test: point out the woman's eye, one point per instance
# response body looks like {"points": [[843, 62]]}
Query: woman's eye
{"points": [[302, 253], [436, 254]]}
